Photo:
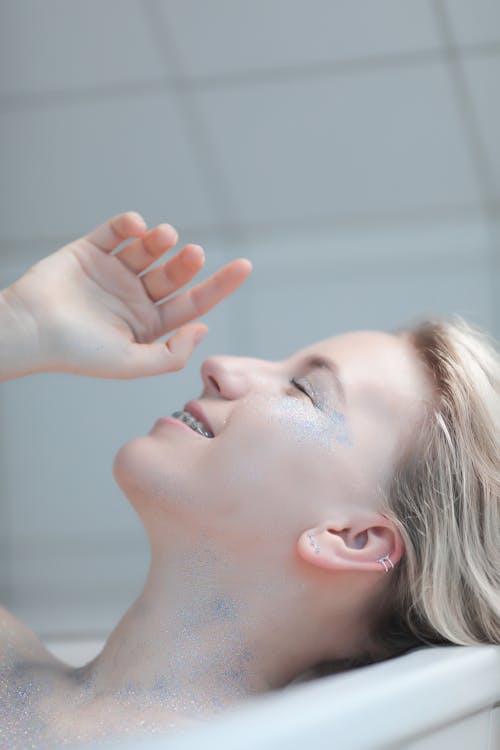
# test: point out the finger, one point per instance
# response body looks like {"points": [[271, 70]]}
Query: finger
{"points": [[155, 359], [139, 254], [202, 297], [176, 272], [116, 230]]}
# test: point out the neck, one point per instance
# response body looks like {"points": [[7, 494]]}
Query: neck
{"points": [[208, 631]]}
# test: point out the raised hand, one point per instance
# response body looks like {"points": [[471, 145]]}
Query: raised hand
{"points": [[94, 314]]}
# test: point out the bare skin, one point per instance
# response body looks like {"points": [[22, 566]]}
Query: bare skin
{"points": [[45, 703], [238, 600], [86, 311]]}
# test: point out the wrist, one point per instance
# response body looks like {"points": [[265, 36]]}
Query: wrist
{"points": [[19, 340]]}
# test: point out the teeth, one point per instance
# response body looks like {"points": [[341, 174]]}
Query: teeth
{"points": [[192, 422]]}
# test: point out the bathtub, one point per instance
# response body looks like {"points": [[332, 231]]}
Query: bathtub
{"points": [[440, 698]]}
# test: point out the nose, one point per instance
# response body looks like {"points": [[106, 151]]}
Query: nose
{"points": [[233, 377]]}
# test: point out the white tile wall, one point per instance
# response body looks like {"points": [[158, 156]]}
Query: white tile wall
{"points": [[322, 302], [228, 38], [378, 142], [483, 83], [61, 45], [67, 168], [474, 23], [74, 585], [354, 246]]}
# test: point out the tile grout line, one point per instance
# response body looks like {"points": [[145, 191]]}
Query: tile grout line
{"points": [[245, 231], [36, 99], [478, 152], [216, 186]]}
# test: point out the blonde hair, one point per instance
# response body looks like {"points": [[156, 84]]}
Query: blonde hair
{"points": [[444, 498]]}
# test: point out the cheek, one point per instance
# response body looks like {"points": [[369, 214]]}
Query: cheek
{"points": [[305, 425], [257, 474], [241, 467]]}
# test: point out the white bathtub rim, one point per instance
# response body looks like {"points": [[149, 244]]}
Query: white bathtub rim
{"points": [[369, 708]]}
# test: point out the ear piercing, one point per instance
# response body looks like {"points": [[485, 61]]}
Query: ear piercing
{"points": [[312, 541], [386, 559]]}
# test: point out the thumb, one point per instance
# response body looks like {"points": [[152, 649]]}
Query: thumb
{"points": [[183, 342], [171, 356]]}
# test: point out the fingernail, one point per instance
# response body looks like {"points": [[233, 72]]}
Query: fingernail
{"points": [[202, 251], [176, 233], [136, 215]]}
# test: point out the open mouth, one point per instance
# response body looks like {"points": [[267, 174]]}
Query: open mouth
{"points": [[193, 422]]}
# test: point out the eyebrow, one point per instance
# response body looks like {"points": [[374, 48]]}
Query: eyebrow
{"points": [[315, 361]]}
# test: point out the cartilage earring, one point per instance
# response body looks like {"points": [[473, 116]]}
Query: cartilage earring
{"points": [[384, 560], [310, 534]]}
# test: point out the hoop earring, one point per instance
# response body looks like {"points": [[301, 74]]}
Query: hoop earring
{"points": [[383, 561]]}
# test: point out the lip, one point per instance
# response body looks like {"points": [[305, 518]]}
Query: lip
{"points": [[195, 409], [175, 423]]}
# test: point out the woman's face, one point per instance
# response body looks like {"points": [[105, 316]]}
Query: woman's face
{"points": [[281, 457]]}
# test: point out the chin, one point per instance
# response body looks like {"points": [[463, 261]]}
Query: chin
{"points": [[148, 476], [131, 468]]}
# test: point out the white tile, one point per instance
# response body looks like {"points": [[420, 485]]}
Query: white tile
{"points": [[58, 45], [239, 36], [354, 145], [495, 272], [77, 584], [65, 169], [289, 315], [310, 257], [355, 249], [474, 22], [483, 86]]}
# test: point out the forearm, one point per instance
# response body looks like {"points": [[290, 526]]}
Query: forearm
{"points": [[19, 340]]}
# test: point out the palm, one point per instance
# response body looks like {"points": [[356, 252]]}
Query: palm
{"points": [[97, 316]]}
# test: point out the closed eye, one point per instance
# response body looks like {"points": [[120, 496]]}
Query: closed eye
{"points": [[308, 390]]}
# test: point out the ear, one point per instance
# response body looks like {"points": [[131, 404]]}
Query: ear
{"points": [[357, 545]]}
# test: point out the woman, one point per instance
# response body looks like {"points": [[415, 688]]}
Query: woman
{"points": [[332, 509]]}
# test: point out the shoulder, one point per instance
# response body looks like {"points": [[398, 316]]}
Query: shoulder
{"points": [[19, 643], [29, 676]]}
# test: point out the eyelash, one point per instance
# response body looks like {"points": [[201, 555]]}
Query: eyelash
{"points": [[295, 382]]}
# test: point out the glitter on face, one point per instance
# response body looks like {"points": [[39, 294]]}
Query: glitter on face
{"points": [[222, 608], [341, 432], [305, 423]]}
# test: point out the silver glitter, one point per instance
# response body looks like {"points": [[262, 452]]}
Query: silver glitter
{"points": [[306, 426]]}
